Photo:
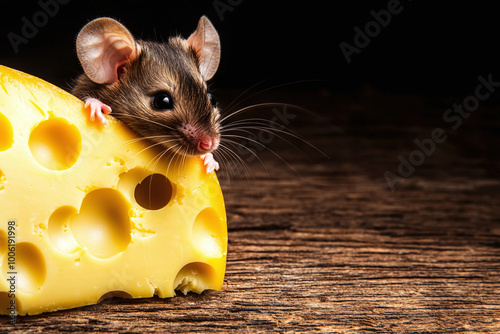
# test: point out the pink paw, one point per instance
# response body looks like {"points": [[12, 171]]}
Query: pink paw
{"points": [[97, 108], [209, 162]]}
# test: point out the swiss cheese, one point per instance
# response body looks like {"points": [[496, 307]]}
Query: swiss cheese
{"points": [[88, 212]]}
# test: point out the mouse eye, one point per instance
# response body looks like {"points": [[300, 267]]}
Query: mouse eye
{"points": [[163, 101], [212, 100]]}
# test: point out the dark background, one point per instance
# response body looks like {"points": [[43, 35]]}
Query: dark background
{"points": [[430, 48], [326, 245]]}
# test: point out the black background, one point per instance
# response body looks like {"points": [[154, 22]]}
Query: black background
{"points": [[428, 48]]}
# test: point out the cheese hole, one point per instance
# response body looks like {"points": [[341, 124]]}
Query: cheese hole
{"points": [[29, 266], [3, 241], [114, 294], [103, 225], [154, 192], [59, 229], [6, 133], [195, 277], [129, 180], [7, 303], [55, 144], [209, 233]]}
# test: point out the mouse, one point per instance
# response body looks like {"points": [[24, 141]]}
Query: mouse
{"points": [[158, 89]]}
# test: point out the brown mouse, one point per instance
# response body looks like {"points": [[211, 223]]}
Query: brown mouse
{"points": [[158, 89]]}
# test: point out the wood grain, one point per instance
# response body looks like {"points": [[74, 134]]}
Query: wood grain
{"points": [[327, 247]]}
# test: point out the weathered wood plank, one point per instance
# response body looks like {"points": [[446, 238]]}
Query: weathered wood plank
{"points": [[332, 249]]}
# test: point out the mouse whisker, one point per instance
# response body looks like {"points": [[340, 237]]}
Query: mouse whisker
{"points": [[135, 140], [233, 156], [223, 150], [156, 160], [232, 166], [239, 166], [143, 119], [264, 147], [233, 102], [158, 157], [153, 144], [261, 121], [244, 127], [235, 164], [244, 147], [172, 158], [268, 104], [263, 91]]}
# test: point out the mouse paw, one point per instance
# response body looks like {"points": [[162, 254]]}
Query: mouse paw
{"points": [[97, 108], [209, 162]]}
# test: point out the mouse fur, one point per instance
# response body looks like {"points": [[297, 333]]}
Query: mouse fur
{"points": [[174, 67]]}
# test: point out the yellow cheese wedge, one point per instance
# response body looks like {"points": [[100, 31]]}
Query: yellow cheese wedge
{"points": [[90, 212]]}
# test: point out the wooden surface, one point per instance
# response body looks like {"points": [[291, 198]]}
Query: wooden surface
{"points": [[327, 247]]}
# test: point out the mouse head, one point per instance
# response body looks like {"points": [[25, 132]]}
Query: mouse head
{"points": [[158, 89]]}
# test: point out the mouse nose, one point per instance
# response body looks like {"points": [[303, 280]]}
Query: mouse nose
{"points": [[207, 144]]}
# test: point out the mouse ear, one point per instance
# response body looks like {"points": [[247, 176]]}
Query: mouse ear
{"points": [[205, 42], [103, 46]]}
